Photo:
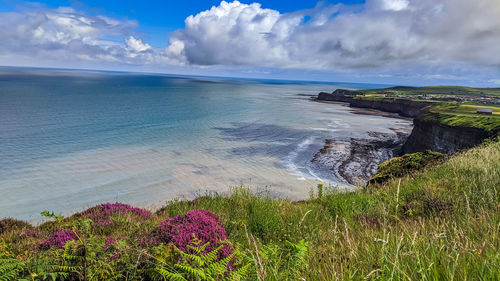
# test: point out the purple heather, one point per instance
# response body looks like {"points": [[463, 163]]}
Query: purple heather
{"points": [[58, 239], [203, 224]]}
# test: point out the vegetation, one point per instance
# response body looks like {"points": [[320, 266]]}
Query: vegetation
{"points": [[438, 90], [406, 164], [488, 123], [439, 223]]}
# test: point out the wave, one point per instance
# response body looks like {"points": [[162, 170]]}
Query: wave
{"points": [[292, 162]]}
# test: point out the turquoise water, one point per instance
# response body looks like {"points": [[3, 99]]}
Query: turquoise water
{"points": [[70, 140]]}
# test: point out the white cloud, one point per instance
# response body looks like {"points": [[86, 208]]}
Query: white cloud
{"points": [[65, 34], [232, 33], [394, 5], [384, 33], [136, 45]]}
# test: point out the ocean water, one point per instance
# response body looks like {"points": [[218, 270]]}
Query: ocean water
{"points": [[70, 140]]}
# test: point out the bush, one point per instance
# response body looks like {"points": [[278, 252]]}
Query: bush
{"points": [[102, 215], [181, 229], [13, 224], [406, 164], [58, 239]]}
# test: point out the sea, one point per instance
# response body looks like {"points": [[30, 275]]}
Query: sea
{"points": [[71, 139]]}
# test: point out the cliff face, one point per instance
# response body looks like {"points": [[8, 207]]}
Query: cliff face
{"points": [[429, 134], [334, 97], [404, 108]]}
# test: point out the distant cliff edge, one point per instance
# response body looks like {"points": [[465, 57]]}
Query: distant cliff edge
{"points": [[431, 130]]}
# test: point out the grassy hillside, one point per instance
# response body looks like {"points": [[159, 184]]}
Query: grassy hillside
{"points": [[442, 223]]}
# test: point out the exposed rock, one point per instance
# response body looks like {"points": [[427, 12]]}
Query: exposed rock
{"points": [[426, 134], [356, 160]]}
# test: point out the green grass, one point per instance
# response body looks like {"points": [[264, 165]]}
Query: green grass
{"points": [[441, 223], [471, 109], [489, 123]]}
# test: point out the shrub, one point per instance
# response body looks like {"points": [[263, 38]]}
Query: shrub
{"points": [[58, 239], [406, 164], [200, 264], [203, 224], [102, 214], [12, 224]]}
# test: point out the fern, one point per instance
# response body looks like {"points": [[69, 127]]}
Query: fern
{"points": [[202, 266], [39, 270], [282, 263], [295, 254], [14, 269], [170, 275], [51, 215], [10, 269]]}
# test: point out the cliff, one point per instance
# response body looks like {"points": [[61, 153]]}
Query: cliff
{"points": [[406, 108], [110, 241], [338, 95], [430, 132]]}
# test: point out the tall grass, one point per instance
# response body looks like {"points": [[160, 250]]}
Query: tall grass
{"points": [[441, 224]]}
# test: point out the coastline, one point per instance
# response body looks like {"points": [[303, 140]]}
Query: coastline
{"points": [[356, 160], [440, 126]]}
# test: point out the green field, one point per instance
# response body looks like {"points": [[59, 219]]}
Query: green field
{"points": [[439, 90], [464, 115]]}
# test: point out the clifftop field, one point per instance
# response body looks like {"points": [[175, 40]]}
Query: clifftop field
{"points": [[439, 90], [440, 222]]}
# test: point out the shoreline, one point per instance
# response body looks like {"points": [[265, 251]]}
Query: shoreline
{"points": [[356, 160]]}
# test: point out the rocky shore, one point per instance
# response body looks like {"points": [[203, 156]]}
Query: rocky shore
{"points": [[355, 160]]}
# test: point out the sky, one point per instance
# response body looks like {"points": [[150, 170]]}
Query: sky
{"points": [[406, 42]]}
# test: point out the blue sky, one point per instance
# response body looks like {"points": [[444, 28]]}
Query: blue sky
{"points": [[416, 42]]}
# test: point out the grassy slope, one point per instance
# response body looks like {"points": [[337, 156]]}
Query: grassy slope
{"points": [[440, 224], [463, 115]]}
